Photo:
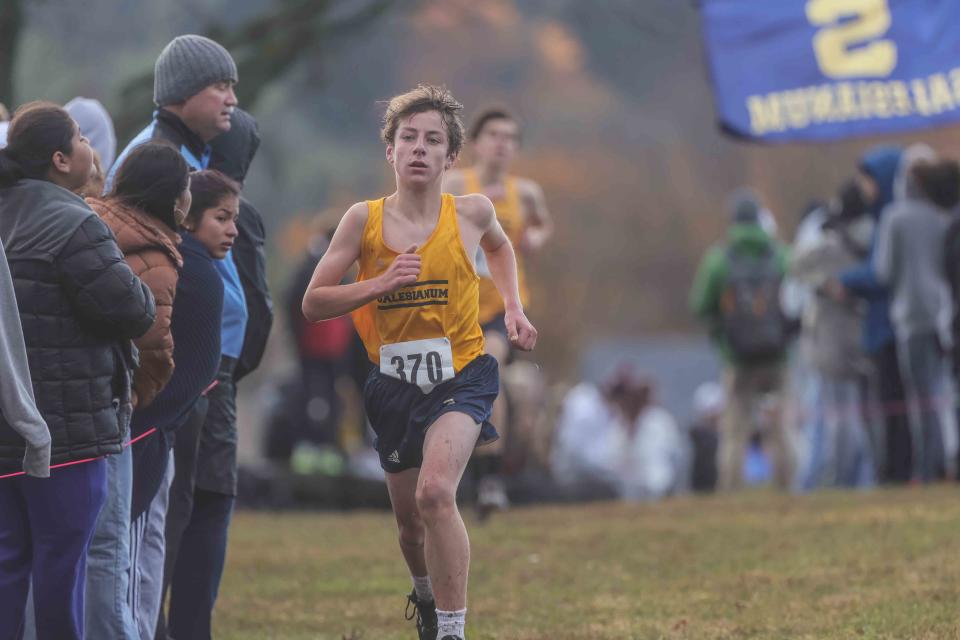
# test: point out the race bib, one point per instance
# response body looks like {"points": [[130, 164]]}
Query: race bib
{"points": [[424, 363]]}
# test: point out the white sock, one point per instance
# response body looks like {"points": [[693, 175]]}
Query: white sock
{"points": [[451, 623], [423, 587]]}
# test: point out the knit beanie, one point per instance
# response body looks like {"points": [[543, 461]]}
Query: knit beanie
{"points": [[187, 66]]}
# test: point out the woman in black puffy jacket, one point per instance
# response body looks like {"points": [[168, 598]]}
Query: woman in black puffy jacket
{"points": [[80, 305]]}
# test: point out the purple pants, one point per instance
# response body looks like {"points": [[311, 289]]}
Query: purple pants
{"points": [[45, 529]]}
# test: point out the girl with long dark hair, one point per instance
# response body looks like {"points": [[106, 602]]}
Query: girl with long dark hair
{"points": [[150, 188]]}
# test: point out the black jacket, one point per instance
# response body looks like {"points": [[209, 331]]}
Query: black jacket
{"points": [[195, 325], [232, 153], [251, 260], [167, 128], [80, 305]]}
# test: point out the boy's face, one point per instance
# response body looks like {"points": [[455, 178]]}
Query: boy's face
{"points": [[497, 142], [419, 150]]}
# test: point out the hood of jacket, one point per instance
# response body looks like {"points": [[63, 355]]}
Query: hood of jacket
{"points": [[136, 230], [882, 165], [233, 151], [38, 218], [97, 126]]}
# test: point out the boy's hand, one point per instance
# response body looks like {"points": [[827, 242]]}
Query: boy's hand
{"points": [[403, 271], [521, 334]]}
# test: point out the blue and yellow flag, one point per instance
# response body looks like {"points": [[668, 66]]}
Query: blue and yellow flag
{"points": [[826, 69]]}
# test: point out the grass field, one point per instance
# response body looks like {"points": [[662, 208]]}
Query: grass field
{"points": [[884, 564]]}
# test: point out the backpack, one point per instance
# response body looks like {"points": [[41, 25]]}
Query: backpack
{"points": [[751, 321]]}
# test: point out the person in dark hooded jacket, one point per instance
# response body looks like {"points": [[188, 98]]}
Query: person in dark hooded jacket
{"points": [[877, 173], [198, 530], [232, 154]]}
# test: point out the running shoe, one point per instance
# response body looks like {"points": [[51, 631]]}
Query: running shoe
{"points": [[426, 615]]}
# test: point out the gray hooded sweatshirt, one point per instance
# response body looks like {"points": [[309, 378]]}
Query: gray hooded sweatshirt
{"points": [[909, 256], [97, 126], [16, 391]]}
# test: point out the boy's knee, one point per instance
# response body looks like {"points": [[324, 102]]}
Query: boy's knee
{"points": [[496, 345], [434, 497], [411, 530]]}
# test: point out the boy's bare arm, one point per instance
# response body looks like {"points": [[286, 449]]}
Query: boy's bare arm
{"points": [[539, 222], [503, 271], [326, 298]]}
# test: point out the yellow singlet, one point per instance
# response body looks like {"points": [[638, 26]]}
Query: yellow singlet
{"points": [[510, 215], [443, 301]]}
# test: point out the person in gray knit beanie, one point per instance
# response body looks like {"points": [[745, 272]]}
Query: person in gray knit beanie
{"points": [[189, 64]]}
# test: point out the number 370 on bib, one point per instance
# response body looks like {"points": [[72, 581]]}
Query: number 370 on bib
{"points": [[424, 363]]}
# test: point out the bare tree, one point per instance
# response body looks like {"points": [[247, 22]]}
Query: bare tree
{"points": [[265, 48], [11, 22]]}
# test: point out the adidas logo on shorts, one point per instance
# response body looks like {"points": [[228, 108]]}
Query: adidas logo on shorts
{"points": [[449, 401], [394, 457]]}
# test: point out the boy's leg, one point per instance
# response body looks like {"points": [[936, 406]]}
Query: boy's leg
{"points": [[447, 448], [496, 345], [491, 491], [403, 496]]}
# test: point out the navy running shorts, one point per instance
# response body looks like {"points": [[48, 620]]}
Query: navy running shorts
{"points": [[400, 413]]}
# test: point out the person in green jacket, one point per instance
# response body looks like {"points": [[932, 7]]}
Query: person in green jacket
{"points": [[736, 293]]}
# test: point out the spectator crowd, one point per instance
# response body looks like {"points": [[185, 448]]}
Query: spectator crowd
{"points": [[134, 299], [840, 351]]}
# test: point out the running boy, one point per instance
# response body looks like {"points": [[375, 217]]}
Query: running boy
{"points": [[522, 212], [430, 396]]}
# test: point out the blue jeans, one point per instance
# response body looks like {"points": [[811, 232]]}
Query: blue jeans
{"points": [[45, 528], [108, 613]]}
